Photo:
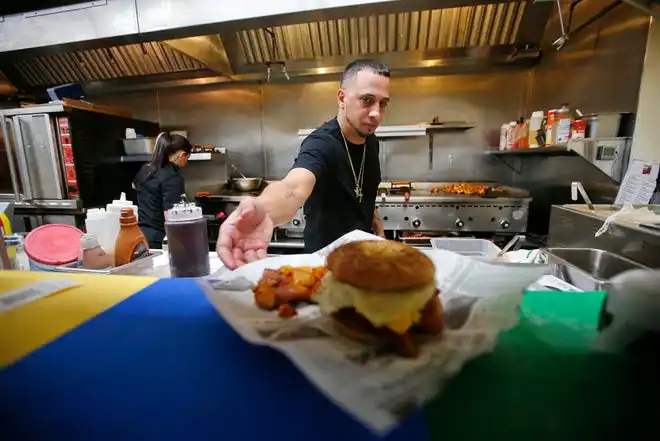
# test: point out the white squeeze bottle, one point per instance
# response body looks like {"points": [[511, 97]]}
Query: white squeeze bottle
{"points": [[113, 211]]}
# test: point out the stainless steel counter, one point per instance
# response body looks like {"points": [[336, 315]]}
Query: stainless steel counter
{"points": [[574, 227]]}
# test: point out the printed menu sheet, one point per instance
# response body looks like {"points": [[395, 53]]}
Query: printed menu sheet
{"points": [[639, 183]]}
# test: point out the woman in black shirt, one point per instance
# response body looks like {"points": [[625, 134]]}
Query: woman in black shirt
{"points": [[159, 185]]}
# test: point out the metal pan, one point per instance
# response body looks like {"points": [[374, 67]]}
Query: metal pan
{"points": [[246, 184]]}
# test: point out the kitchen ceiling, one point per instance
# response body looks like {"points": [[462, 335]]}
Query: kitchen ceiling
{"points": [[456, 38]]}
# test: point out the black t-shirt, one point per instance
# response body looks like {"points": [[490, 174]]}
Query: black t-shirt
{"points": [[332, 209], [156, 194]]}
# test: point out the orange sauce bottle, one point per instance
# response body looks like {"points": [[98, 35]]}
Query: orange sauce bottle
{"points": [[131, 244]]}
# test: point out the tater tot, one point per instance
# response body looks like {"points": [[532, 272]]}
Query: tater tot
{"points": [[287, 285], [286, 311]]}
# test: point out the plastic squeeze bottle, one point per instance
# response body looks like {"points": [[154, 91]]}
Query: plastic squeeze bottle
{"points": [[113, 212], [188, 243], [131, 244]]}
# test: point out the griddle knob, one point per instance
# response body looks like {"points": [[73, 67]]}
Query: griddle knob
{"points": [[459, 223], [505, 224], [296, 222], [416, 223]]}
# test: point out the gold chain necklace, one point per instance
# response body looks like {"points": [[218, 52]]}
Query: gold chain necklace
{"points": [[359, 178]]}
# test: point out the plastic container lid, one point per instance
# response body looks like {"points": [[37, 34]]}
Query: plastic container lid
{"points": [[53, 244], [183, 212], [96, 213]]}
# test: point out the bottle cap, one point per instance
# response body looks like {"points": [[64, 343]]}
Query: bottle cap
{"points": [[122, 201], [183, 212], [127, 213], [13, 240], [89, 241], [118, 204], [127, 216]]}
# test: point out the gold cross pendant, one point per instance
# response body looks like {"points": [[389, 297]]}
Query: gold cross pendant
{"points": [[358, 194]]}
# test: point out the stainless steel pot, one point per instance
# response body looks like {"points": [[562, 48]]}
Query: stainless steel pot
{"points": [[246, 184], [610, 125]]}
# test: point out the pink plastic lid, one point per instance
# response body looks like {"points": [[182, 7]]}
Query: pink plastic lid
{"points": [[53, 244]]}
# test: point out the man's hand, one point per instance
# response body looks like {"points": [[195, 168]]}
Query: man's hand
{"points": [[244, 235]]}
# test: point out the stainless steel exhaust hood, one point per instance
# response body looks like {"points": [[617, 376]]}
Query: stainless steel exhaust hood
{"points": [[167, 19], [104, 64], [416, 41]]}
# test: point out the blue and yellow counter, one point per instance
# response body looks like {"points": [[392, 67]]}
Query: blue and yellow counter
{"points": [[135, 358]]}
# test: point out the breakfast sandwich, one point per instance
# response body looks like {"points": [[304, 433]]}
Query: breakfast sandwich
{"points": [[381, 292]]}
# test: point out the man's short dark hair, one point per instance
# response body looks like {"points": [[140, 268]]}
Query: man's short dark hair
{"points": [[361, 64]]}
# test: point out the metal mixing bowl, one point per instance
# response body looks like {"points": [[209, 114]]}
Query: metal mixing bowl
{"points": [[246, 184]]}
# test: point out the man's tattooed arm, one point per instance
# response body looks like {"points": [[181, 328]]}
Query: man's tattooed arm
{"points": [[282, 199]]}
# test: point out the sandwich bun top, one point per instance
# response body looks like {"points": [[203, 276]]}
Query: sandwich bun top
{"points": [[381, 265]]}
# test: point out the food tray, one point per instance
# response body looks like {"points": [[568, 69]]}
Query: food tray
{"points": [[141, 267], [140, 146], [467, 246]]}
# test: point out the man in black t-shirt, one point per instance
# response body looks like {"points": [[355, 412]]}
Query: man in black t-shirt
{"points": [[335, 175]]}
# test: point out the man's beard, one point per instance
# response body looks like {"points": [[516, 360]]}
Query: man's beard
{"points": [[357, 130]]}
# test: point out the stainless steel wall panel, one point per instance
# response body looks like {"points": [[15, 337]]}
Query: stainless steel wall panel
{"points": [[228, 117], [260, 130]]}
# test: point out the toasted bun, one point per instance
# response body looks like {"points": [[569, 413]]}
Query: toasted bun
{"points": [[381, 265]]}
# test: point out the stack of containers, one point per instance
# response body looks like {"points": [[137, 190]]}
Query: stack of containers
{"points": [[98, 224], [104, 222]]}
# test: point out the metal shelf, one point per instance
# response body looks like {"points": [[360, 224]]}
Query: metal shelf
{"points": [[514, 158], [412, 131], [558, 150], [409, 131], [206, 156]]}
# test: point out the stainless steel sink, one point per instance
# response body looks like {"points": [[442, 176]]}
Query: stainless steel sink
{"points": [[588, 269], [604, 210]]}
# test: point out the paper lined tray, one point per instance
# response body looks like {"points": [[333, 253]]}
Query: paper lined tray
{"points": [[480, 299]]}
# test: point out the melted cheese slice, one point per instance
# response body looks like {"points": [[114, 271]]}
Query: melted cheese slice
{"points": [[396, 310]]}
